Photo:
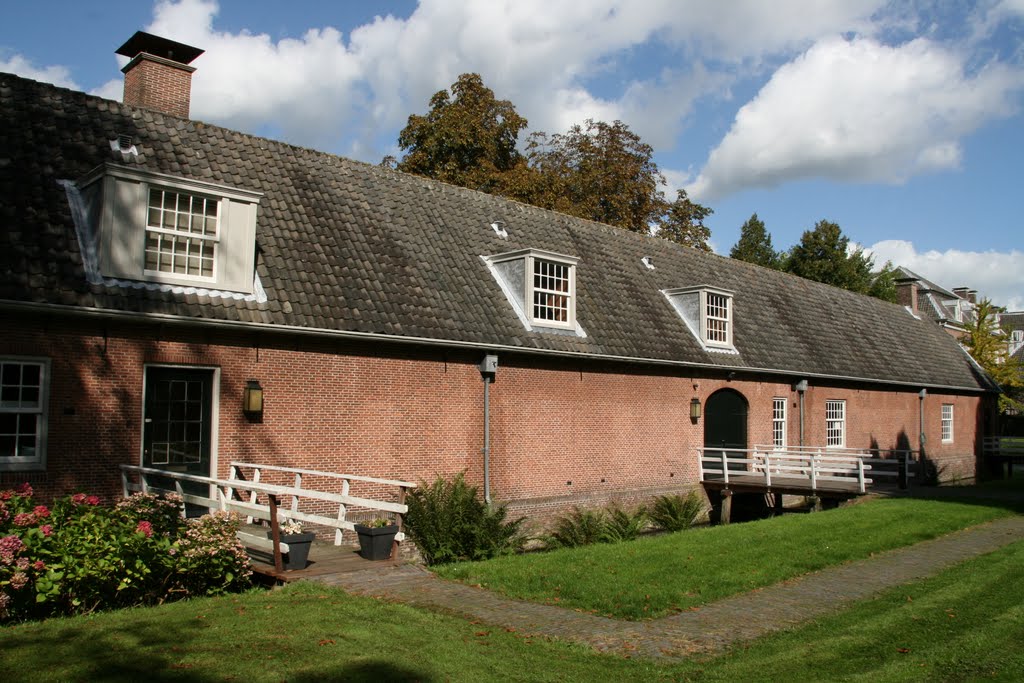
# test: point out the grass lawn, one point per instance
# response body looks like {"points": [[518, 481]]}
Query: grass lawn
{"points": [[964, 624], [656, 575]]}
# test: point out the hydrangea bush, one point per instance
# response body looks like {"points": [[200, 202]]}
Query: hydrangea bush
{"points": [[80, 556]]}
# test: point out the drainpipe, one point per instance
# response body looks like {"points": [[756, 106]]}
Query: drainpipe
{"points": [[920, 426], [801, 387], [488, 369]]}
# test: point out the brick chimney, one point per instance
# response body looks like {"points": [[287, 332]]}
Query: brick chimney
{"points": [[158, 76], [906, 294]]}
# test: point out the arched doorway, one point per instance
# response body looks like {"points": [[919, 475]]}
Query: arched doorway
{"points": [[725, 421]]}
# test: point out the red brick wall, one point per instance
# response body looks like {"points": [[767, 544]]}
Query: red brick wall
{"points": [[394, 411]]}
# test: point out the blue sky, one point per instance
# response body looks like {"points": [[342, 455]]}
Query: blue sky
{"points": [[902, 122]]}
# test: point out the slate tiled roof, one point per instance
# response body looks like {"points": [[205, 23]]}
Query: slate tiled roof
{"points": [[346, 247]]}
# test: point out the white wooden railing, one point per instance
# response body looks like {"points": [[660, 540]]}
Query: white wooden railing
{"points": [[1003, 446], [226, 494], [253, 473], [811, 465]]}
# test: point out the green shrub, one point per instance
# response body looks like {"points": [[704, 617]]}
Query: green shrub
{"points": [[578, 527], [622, 525], [449, 523], [677, 512], [79, 556]]}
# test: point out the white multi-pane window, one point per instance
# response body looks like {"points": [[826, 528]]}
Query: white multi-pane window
{"points": [[717, 319], [835, 423], [947, 422], [181, 234], [552, 291], [23, 385], [779, 423]]}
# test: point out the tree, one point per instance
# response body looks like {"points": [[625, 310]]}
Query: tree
{"points": [[467, 138], [988, 345], [823, 255], [599, 171], [755, 245], [683, 223], [883, 285]]}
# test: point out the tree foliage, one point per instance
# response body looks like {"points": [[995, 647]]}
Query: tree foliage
{"points": [[755, 245], [883, 284], [598, 171], [683, 222], [823, 255], [988, 344], [467, 138]]}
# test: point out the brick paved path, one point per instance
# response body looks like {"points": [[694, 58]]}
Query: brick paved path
{"points": [[712, 627]]}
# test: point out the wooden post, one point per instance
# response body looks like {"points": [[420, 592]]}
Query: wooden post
{"points": [[726, 513], [815, 503], [275, 532], [398, 521], [767, 469], [860, 474], [725, 468], [778, 503], [904, 471]]}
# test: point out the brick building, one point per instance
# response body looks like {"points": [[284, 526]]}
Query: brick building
{"points": [[155, 267]]}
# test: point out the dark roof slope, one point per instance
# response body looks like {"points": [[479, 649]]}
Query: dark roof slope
{"points": [[346, 246]]}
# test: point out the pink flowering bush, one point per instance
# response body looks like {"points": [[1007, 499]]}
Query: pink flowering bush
{"points": [[79, 556]]}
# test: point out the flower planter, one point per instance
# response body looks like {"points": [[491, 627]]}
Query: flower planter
{"points": [[297, 556], [375, 541]]}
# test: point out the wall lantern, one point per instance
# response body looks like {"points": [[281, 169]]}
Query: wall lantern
{"points": [[695, 408], [252, 400]]}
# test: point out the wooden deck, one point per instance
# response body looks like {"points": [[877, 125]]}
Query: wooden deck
{"points": [[324, 559]]}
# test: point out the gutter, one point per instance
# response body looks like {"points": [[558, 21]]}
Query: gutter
{"points": [[238, 326]]}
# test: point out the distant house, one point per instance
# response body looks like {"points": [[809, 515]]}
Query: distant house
{"points": [[156, 267], [953, 310]]}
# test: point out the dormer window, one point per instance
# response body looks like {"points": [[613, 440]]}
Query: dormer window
{"points": [[540, 285], [708, 313], [151, 227]]}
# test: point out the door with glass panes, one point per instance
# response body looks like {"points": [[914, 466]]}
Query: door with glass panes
{"points": [[177, 429]]}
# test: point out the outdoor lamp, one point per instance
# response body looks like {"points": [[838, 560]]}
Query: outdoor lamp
{"points": [[695, 408], [252, 400]]}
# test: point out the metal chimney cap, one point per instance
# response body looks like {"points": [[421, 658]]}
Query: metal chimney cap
{"points": [[158, 47]]}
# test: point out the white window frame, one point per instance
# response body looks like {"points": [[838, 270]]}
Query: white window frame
{"points": [[13, 463], [534, 272], [710, 302], [835, 423], [531, 259], [947, 423], [779, 437], [185, 236]]}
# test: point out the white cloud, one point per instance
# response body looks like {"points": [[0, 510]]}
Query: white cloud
{"points": [[58, 75], [857, 110], [321, 89], [996, 275]]}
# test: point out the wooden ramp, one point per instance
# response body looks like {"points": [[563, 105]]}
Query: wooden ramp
{"points": [[795, 486], [325, 560]]}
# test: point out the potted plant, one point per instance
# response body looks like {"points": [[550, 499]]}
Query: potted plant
{"points": [[298, 544], [376, 537]]}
